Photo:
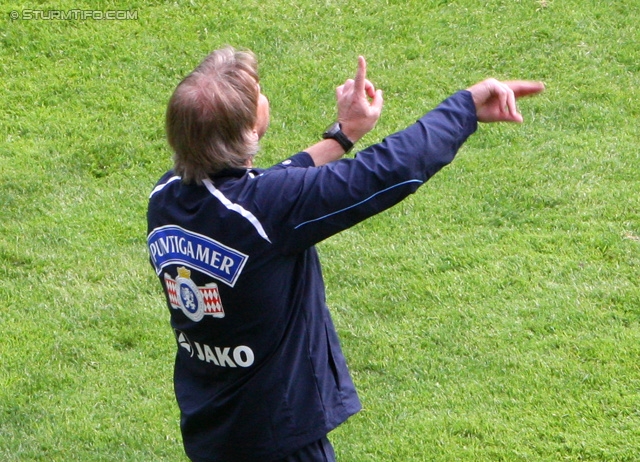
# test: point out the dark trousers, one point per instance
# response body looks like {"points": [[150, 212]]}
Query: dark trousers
{"points": [[320, 451]]}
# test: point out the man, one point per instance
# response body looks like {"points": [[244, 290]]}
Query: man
{"points": [[259, 374]]}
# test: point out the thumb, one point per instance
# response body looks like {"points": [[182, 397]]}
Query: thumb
{"points": [[378, 100]]}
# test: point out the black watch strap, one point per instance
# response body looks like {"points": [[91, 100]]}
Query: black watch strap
{"points": [[334, 132]]}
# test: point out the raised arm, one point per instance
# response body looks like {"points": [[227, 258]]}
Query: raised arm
{"points": [[360, 105]]}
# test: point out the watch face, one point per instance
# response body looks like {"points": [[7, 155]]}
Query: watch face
{"points": [[332, 129], [334, 132]]}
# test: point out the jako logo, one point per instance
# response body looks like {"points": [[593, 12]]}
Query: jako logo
{"points": [[240, 356]]}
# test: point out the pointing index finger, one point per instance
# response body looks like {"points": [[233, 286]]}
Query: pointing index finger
{"points": [[525, 87]]}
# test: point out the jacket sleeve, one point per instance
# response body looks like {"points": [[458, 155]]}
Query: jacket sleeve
{"points": [[313, 203]]}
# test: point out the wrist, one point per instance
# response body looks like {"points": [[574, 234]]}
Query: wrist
{"points": [[350, 133], [336, 133], [325, 151]]}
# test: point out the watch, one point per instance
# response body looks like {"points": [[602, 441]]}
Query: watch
{"points": [[334, 132]]}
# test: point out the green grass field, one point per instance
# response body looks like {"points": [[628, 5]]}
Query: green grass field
{"points": [[493, 316]]}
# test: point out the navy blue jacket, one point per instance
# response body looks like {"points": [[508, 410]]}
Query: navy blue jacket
{"points": [[259, 372]]}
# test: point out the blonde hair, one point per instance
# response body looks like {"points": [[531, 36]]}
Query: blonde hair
{"points": [[212, 113]]}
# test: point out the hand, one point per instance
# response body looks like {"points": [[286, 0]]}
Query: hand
{"points": [[496, 101], [358, 114]]}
